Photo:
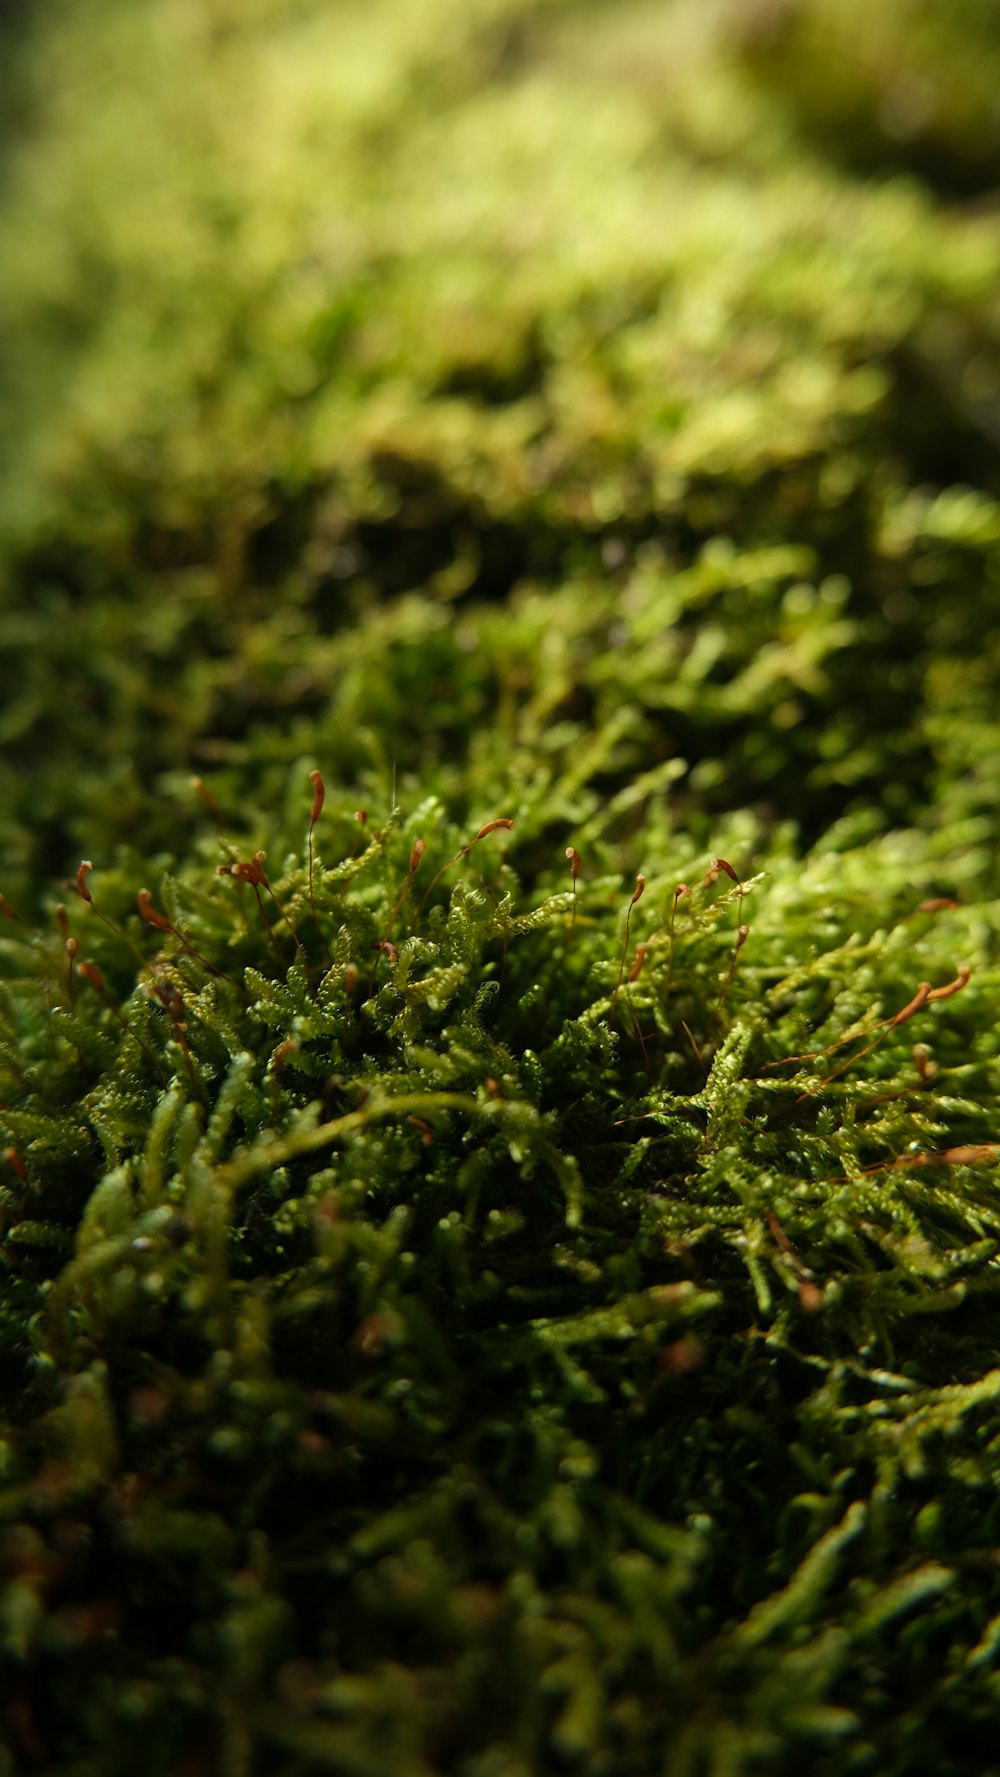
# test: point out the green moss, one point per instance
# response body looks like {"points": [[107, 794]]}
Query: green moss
{"points": [[468, 1310]]}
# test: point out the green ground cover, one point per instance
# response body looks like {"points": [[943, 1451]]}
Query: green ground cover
{"points": [[499, 1239]]}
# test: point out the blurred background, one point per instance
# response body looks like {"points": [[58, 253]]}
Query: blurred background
{"points": [[454, 384]]}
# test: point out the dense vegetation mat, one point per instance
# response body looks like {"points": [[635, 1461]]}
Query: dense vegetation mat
{"points": [[500, 621]]}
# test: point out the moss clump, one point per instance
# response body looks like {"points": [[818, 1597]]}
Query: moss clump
{"points": [[500, 1252], [484, 1327]]}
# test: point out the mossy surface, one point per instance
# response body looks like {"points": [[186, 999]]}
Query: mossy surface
{"points": [[500, 1253]]}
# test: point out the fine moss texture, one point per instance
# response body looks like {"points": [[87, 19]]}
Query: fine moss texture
{"points": [[499, 795]]}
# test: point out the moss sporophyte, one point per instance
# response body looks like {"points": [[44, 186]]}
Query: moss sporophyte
{"points": [[499, 1138]]}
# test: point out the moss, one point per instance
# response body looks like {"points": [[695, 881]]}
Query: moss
{"points": [[500, 1237]]}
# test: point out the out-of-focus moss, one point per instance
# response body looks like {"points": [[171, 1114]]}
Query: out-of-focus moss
{"points": [[415, 329], [908, 85]]}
